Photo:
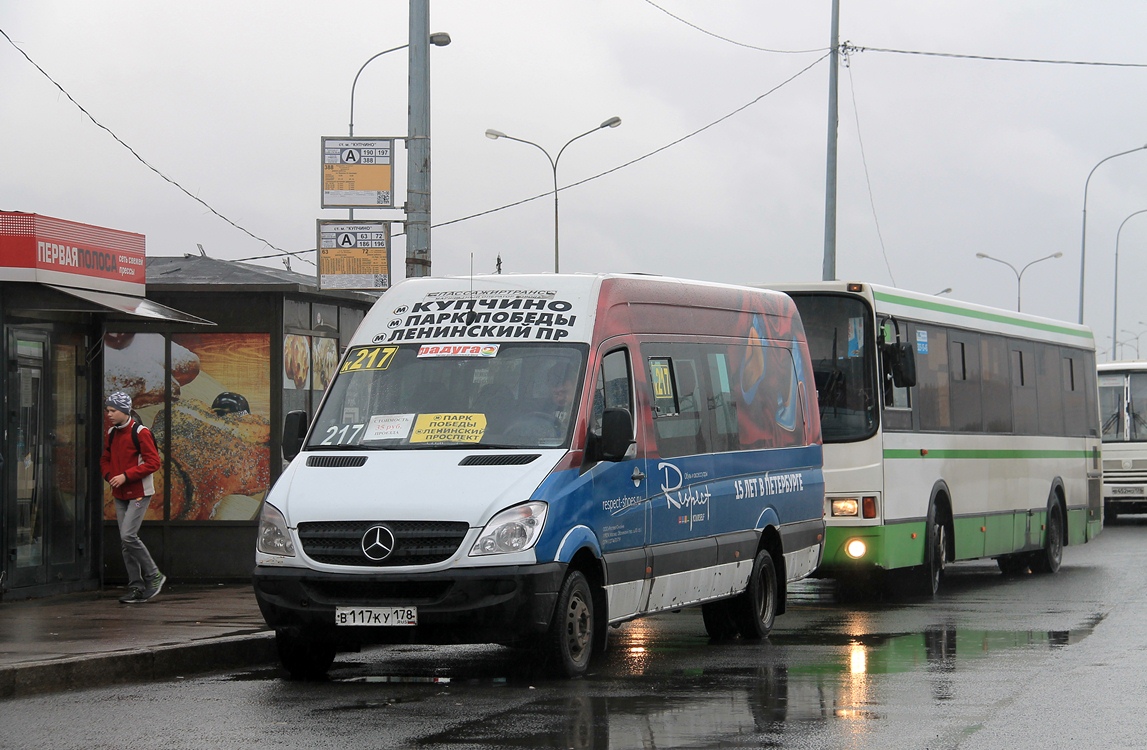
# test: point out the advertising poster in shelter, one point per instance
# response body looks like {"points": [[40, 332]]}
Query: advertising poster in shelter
{"points": [[218, 425]]}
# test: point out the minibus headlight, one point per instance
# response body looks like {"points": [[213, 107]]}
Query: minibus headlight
{"points": [[845, 506], [513, 530], [274, 536], [855, 548]]}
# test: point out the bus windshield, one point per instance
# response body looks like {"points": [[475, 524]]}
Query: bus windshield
{"points": [[410, 397], [842, 346], [1122, 420]]}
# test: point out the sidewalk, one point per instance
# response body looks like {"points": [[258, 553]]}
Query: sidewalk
{"points": [[89, 639]]}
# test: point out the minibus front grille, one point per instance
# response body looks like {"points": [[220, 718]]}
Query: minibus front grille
{"points": [[488, 460], [415, 542]]}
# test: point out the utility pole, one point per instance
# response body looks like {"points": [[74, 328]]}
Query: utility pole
{"points": [[829, 271], [418, 144]]}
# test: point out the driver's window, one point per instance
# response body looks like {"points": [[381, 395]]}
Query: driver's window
{"points": [[613, 389]]}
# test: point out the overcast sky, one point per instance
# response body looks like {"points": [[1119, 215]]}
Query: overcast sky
{"points": [[940, 157]]}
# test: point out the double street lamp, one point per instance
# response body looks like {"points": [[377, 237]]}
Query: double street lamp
{"points": [[612, 122], [1083, 239], [1115, 290], [1137, 337], [1020, 273]]}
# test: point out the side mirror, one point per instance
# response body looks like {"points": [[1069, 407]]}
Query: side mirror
{"points": [[616, 434], [294, 432], [903, 364]]}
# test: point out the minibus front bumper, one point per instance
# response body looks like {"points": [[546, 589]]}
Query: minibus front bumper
{"points": [[503, 605]]}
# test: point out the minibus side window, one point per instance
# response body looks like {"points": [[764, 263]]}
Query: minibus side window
{"points": [[678, 415]]}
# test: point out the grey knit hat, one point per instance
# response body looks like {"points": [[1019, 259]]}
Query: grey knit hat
{"points": [[119, 400]]}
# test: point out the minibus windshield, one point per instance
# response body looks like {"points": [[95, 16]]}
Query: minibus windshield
{"points": [[428, 396]]}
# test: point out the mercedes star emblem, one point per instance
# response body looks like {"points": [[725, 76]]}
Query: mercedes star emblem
{"points": [[378, 543]]}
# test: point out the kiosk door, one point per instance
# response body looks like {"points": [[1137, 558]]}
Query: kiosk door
{"points": [[47, 461]]}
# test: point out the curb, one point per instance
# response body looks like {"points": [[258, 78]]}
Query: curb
{"points": [[138, 665]]}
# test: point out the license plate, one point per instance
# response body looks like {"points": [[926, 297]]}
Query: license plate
{"points": [[1126, 490], [376, 616]]}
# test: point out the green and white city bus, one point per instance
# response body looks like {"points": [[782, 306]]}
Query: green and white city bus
{"points": [[1123, 409], [952, 431]]}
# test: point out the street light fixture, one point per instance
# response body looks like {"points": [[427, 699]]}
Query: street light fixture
{"points": [[1020, 273], [492, 134], [438, 39], [946, 290], [1115, 291], [1137, 337], [1083, 239]]}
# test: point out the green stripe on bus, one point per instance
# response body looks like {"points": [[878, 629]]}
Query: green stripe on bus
{"points": [[981, 315], [900, 544], [982, 453]]}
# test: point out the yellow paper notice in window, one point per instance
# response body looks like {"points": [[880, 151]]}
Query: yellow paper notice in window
{"points": [[449, 427]]}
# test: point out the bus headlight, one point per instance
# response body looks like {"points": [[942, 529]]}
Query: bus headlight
{"points": [[854, 507], [513, 530], [855, 548], [845, 506]]}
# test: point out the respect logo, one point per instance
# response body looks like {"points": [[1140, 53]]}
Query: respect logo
{"points": [[694, 501]]}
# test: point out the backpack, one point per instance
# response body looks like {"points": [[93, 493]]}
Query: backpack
{"points": [[136, 427]]}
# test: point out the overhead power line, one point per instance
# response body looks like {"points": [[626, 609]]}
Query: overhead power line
{"points": [[734, 41], [133, 152], [669, 145], [991, 58]]}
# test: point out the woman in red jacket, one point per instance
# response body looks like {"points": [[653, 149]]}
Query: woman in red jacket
{"points": [[128, 461]]}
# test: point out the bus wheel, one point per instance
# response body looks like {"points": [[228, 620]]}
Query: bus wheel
{"points": [[755, 611], [935, 554], [1050, 557], [569, 643], [718, 618], [306, 655]]}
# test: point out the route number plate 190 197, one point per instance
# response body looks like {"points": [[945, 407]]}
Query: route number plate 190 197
{"points": [[376, 616]]}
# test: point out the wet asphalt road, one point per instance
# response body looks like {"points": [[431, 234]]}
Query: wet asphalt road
{"points": [[992, 662]]}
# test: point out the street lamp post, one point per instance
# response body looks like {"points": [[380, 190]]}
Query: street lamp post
{"points": [[1115, 290], [1083, 239], [492, 134], [438, 39], [1020, 273]]}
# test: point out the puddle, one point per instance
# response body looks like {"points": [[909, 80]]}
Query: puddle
{"points": [[937, 646], [398, 679]]}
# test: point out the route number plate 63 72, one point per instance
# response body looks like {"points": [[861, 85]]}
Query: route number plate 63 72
{"points": [[376, 616]]}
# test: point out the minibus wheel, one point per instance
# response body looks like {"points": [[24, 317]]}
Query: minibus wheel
{"points": [[569, 643], [755, 611], [305, 654]]}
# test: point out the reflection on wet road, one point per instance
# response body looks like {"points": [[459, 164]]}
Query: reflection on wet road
{"points": [[992, 663], [917, 671]]}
